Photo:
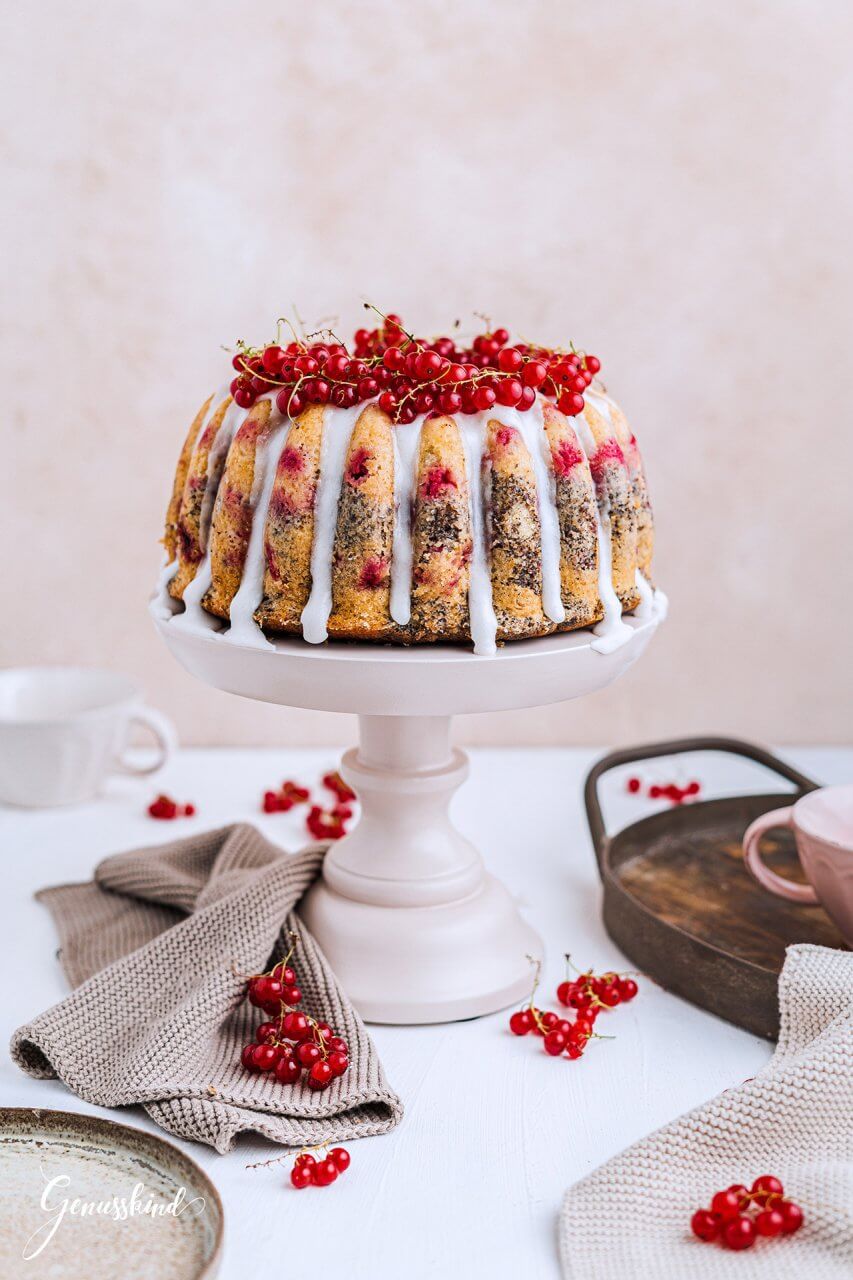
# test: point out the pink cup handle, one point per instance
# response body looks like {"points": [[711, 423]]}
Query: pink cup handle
{"points": [[752, 857]]}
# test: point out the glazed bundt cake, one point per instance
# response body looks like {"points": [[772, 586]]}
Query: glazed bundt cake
{"points": [[409, 491]]}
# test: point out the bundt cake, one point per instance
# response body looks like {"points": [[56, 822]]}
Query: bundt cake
{"points": [[408, 491]]}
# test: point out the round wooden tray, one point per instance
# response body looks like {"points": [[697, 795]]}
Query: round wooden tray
{"points": [[680, 903]]}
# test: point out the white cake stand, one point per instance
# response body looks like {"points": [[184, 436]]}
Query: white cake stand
{"points": [[410, 920]]}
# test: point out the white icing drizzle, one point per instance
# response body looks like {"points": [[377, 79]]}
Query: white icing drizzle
{"points": [[194, 618], [611, 633], [531, 427], [406, 437], [646, 608], [162, 604], [216, 462], [244, 629], [601, 403], [338, 427], [481, 611]]}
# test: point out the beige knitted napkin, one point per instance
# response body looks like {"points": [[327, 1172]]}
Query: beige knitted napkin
{"points": [[795, 1120], [153, 948]]}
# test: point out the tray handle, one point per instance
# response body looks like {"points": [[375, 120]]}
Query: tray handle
{"points": [[674, 747]]}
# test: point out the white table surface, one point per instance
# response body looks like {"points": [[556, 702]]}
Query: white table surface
{"points": [[494, 1131]]}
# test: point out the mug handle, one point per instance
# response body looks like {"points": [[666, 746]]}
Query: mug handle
{"points": [[752, 857], [164, 732]]}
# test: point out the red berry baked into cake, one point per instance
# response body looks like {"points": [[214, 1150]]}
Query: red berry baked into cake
{"points": [[410, 490]]}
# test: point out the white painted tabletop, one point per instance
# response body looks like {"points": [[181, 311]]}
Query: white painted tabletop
{"points": [[494, 1131]]}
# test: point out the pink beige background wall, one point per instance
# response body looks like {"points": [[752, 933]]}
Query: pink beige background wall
{"points": [[669, 184]]}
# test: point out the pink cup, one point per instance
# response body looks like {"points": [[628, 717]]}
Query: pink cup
{"points": [[822, 822]]}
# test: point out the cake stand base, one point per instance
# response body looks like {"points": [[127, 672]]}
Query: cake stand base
{"points": [[412, 924], [405, 911]]}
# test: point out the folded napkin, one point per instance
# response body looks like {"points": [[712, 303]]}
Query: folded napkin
{"points": [[154, 948], [794, 1120]]}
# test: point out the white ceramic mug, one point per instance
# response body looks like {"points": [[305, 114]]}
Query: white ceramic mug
{"points": [[63, 730]]}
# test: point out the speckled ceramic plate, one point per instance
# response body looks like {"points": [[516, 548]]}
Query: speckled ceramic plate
{"points": [[87, 1199]]}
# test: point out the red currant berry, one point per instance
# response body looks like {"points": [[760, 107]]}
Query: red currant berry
{"points": [[388, 402], [294, 1025], [509, 391], [484, 398], [570, 403], [287, 1070], [534, 374], [340, 1158], [307, 1053], [767, 1185], [574, 1051], [521, 1022], [456, 373], [792, 1217], [726, 1205], [339, 1062], [593, 364], [307, 365], [247, 1057], [501, 337], [337, 1045], [244, 396], [450, 402], [510, 360], [565, 991], [291, 995], [770, 1222], [705, 1225], [320, 1075], [739, 1232], [301, 1175], [554, 1043], [272, 358], [610, 996], [264, 1057], [266, 1031], [627, 989], [325, 1172]]}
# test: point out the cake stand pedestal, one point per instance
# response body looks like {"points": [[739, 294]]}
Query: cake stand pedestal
{"points": [[405, 911]]}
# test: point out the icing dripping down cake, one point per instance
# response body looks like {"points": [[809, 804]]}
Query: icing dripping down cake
{"points": [[410, 491]]}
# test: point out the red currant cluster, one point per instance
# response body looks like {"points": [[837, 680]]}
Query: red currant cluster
{"points": [[587, 995], [310, 1172], [328, 824], [292, 1041], [729, 1221], [289, 794], [665, 791], [409, 375], [322, 823], [165, 808]]}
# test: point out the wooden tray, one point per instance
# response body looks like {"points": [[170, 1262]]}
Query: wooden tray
{"points": [[680, 903]]}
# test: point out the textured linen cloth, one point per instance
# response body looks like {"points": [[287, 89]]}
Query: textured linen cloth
{"points": [[154, 948], [630, 1219]]}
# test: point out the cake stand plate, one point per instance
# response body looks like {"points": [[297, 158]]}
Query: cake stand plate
{"points": [[409, 919]]}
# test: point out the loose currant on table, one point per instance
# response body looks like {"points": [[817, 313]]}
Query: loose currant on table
{"points": [[290, 1041], [587, 996], [671, 791], [166, 809], [738, 1215], [289, 794], [308, 1171]]}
